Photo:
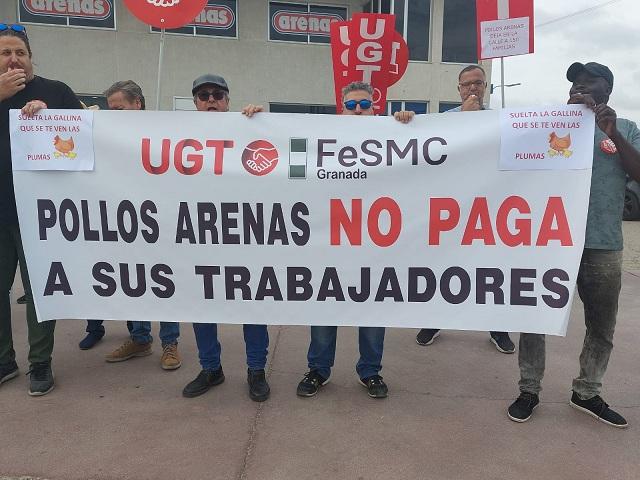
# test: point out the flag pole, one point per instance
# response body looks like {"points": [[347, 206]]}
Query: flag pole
{"points": [[160, 61], [502, 79]]}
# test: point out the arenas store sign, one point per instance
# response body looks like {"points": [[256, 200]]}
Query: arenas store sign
{"points": [[217, 19], [306, 23], [72, 13]]}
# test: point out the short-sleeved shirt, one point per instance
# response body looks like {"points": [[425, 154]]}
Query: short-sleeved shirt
{"points": [[56, 95], [608, 182]]}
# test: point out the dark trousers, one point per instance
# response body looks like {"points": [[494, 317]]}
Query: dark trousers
{"points": [[599, 282], [40, 334]]}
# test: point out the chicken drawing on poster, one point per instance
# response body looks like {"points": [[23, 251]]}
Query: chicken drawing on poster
{"points": [[58, 140]]}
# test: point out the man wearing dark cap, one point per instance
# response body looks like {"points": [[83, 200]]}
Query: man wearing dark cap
{"points": [[211, 94], [616, 153]]}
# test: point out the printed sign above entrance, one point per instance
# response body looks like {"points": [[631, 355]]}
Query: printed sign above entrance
{"points": [[306, 23], [85, 13], [217, 19]]}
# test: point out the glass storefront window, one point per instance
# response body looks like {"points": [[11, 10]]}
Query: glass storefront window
{"points": [[459, 32]]}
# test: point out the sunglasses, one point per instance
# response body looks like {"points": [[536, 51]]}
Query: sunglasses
{"points": [[352, 104], [15, 27], [217, 95]]}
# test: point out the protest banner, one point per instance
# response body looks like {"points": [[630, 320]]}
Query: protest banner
{"points": [[304, 219]]}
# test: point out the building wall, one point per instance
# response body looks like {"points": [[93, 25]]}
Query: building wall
{"points": [[257, 70]]}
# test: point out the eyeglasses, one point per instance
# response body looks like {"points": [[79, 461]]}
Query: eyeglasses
{"points": [[352, 104], [217, 95], [477, 83], [15, 27]]}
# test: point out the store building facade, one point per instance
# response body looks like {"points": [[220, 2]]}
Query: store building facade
{"points": [[274, 53]]}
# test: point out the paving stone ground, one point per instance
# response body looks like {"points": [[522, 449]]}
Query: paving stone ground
{"points": [[445, 417]]}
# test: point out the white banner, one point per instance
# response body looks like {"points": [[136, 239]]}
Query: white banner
{"points": [[307, 219]]}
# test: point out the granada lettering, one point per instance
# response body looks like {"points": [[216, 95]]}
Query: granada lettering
{"points": [[97, 9], [304, 23], [215, 16]]}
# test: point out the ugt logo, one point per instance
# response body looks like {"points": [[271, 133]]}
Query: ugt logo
{"points": [[259, 157]]}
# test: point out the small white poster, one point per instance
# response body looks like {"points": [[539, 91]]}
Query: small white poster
{"points": [[57, 140], [504, 38], [547, 138]]}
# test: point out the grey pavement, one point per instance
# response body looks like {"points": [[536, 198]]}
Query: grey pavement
{"points": [[445, 417]]}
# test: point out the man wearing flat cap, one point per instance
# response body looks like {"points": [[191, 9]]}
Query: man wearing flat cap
{"points": [[211, 94], [616, 154]]}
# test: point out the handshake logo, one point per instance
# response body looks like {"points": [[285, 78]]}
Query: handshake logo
{"points": [[259, 157], [163, 3]]}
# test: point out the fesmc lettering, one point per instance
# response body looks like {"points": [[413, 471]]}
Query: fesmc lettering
{"points": [[202, 223], [454, 285], [373, 152]]}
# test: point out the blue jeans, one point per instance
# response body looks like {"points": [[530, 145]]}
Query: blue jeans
{"points": [[322, 350], [256, 340], [95, 326], [169, 333]]}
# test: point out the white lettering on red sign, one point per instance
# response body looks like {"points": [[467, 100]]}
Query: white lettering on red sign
{"points": [[307, 23], [215, 16], [95, 9]]}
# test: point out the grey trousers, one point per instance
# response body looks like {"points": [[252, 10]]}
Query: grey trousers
{"points": [[599, 281]]}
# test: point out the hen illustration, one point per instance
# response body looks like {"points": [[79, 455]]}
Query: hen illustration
{"points": [[559, 145], [64, 148]]}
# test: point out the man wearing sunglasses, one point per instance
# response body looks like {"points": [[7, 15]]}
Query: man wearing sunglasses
{"points": [[21, 89], [472, 84], [357, 99], [211, 94]]}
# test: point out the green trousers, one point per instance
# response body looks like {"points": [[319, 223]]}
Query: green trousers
{"points": [[40, 334]]}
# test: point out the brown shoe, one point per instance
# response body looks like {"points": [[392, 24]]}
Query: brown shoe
{"points": [[127, 350], [170, 359]]}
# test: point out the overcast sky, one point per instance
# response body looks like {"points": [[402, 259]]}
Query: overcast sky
{"points": [[609, 35]]}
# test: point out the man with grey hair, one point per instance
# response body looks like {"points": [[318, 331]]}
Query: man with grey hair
{"points": [[472, 84], [357, 99], [127, 95]]}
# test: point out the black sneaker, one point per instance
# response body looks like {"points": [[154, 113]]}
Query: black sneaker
{"points": [[41, 379], [521, 410], [502, 342], [376, 388], [8, 371], [90, 340], [258, 387], [426, 336], [22, 300], [310, 384], [598, 408], [203, 382]]}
